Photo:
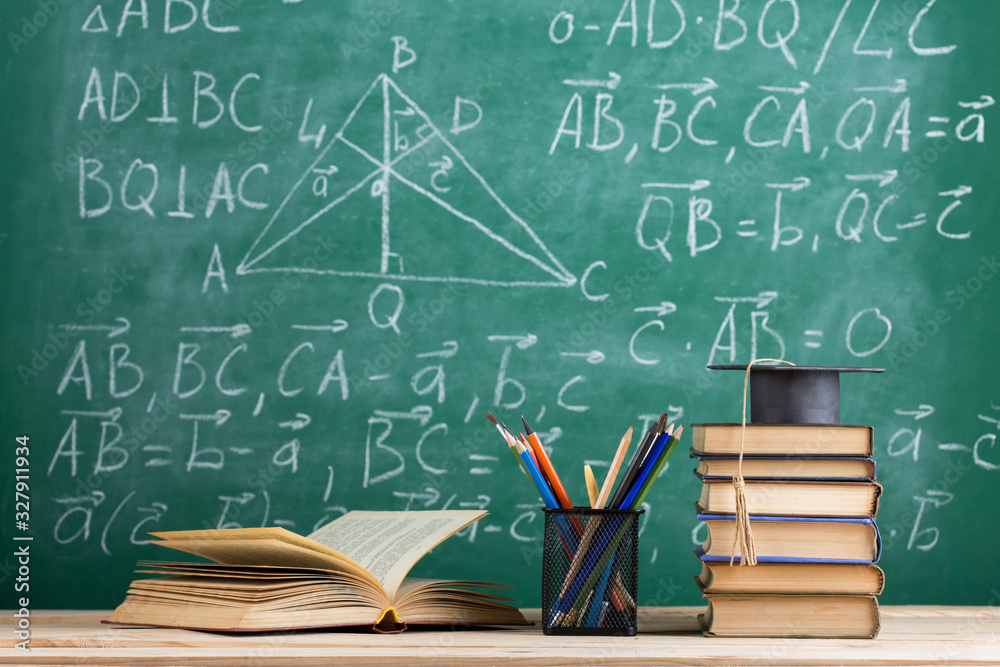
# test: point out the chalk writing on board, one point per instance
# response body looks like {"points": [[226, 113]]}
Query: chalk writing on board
{"points": [[922, 537], [305, 345], [411, 159]]}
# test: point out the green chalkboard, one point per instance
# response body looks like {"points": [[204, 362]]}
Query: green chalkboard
{"points": [[265, 262]]}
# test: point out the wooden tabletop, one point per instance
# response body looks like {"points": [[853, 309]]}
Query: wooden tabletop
{"points": [[667, 636]]}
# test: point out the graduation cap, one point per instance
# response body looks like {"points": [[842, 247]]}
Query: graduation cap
{"points": [[782, 394]]}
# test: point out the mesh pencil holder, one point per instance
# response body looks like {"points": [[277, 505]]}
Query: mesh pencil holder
{"points": [[590, 572]]}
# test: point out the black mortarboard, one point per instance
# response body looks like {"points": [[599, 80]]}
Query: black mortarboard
{"points": [[781, 394]]}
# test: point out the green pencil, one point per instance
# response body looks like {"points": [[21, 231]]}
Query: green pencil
{"points": [[648, 484]]}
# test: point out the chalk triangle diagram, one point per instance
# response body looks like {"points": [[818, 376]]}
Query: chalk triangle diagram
{"points": [[390, 197]]}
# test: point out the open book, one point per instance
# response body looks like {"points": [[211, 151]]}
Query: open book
{"points": [[351, 571]]}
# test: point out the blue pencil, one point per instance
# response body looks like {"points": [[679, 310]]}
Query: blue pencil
{"points": [[597, 604], [536, 476], [647, 469]]}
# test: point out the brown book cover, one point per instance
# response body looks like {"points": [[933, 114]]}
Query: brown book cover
{"points": [[793, 498], [783, 439], [831, 616], [814, 578]]}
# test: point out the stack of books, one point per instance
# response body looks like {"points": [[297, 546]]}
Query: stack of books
{"points": [[812, 499]]}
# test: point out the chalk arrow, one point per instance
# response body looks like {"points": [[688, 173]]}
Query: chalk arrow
{"points": [[522, 342], [762, 300], [220, 417], [665, 308], [700, 184], [96, 497], [300, 422], [592, 357], [695, 88], [797, 184], [113, 414], [898, 87], [983, 102], [430, 495], [421, 413], [449, 349], [113, 330], [801, 88], [960, 191], [923, 411], [336, 327], [235, 331], [884, 179], [610, 83]]}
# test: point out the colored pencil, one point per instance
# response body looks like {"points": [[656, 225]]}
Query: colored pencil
{"points": [[571, 584], [644, 491], [613, 472], [536, 477], [657, 459], [508, 439], [546, 465], [632, 470], [591, 565], [592, 491], [531, 453], [593, 586]]}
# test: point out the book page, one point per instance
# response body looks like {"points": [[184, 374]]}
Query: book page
{"points": [[262, 552], [388, 544]]}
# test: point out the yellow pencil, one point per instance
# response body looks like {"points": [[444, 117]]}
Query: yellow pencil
{"points": [[592, 491]]}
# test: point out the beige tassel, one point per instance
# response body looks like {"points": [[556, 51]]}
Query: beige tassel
{"points": [[744, 534], [743, 540]]}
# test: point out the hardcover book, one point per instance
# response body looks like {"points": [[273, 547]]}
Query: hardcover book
{"points": [[350, 572], [805, 577], [793, 498], [790, 538], [833, 616], [858, 468], [783, 439]]}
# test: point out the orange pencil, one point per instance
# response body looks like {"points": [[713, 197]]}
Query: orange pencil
{"points": [[546, 466], [531, 453]]}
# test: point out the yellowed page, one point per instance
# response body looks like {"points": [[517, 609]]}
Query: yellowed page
{"points": [[265, 552], [242, 535], [388, 544]]}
